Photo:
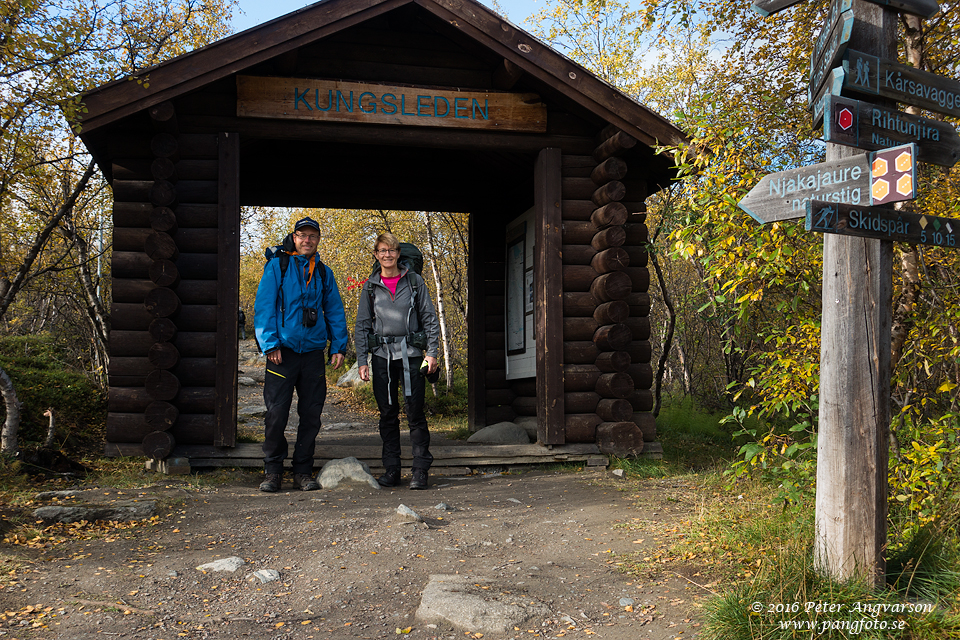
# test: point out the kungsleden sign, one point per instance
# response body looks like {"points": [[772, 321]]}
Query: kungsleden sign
{"points": [[338, 101]]}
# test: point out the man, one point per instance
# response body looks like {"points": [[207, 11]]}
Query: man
{"points": [[297, 312]]}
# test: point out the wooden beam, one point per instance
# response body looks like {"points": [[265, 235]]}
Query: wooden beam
{"points": [[228, 289], [548, 314], [476, 345]]}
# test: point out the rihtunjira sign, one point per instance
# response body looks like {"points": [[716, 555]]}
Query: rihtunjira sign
{"points": [[338, 101]]}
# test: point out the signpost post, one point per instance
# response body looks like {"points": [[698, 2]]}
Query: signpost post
{"points": [[922, 8]]}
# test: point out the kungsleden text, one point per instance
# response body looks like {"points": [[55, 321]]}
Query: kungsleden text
{"points": [[422, 106], [826, 186]]}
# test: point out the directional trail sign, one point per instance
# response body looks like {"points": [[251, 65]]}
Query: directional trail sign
{"points": [[922, 8], [882, 224], [832, 86], [868, 126], [822, 62], [869, 74], [769, 7], [859, 180], [837, 8]]}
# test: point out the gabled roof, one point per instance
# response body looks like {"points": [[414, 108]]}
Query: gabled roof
{"points": [[178, 76]]}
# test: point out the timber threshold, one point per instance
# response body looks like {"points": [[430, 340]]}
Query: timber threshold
{"points": [[251, 454]]}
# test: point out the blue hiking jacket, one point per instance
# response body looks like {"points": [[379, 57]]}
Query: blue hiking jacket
{"points": [[321, 293]]}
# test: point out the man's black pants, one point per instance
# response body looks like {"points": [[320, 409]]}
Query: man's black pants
{"points": [[305, 372], [385, 390]]}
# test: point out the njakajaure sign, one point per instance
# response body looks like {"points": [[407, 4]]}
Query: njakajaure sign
{"points": [[337, 101], [880, 177]]}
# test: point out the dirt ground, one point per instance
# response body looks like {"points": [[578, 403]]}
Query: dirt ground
{"points": [[349, 569]]}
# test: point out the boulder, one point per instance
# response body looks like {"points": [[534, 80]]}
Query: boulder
{"points": [[351, 378], [501, 433], [346, 470]]}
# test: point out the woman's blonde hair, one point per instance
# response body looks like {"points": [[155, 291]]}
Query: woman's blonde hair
{"points": [[388, 239]]}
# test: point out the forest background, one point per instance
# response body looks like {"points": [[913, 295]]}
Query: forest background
{"points": [[736, 305]]}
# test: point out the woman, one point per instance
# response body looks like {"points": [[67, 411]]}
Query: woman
{"points": [[395, 309]]}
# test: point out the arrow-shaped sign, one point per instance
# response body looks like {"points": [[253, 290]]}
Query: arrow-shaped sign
{"points": [[770, 7], [832, 86], [882, 224], [868, 126], [922, 8], [783, 195], [837, 7], [869, 74], [835, 44]]}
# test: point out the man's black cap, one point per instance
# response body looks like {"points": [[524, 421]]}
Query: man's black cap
{"points": [[306, 222]]}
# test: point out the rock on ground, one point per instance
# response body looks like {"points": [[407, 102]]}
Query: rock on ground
{"points": [[463, 602], [501, 433], [230, 564], [119, 511], [351, 378], [346, 470], [528, 424]]}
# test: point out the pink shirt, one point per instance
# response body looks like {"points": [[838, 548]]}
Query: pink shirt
{"points": [[391, 283]]}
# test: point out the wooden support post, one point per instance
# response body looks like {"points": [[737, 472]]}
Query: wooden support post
{"points": [[851, 509], [228, 289], [549, 297]]}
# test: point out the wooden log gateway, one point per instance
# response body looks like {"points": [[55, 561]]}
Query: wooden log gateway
{"points": [[171, 152]]}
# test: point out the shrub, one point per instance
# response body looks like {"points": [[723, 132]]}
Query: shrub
{"points": [[43, 379]]}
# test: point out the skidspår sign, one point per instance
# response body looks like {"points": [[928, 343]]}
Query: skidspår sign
{"points": [[337, 101]]}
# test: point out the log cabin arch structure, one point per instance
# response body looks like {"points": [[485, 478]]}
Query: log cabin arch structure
{"points": [[403, 104]]}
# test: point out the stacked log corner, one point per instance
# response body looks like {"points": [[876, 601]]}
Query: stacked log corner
{"points": [[606, 329], [164, 314]]}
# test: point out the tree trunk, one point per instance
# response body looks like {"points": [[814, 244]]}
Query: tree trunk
{"points": [[441, 315], [8, 438], [668, 340], [11, 288]]}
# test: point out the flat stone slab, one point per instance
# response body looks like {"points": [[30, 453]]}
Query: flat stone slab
{"points": [[463, 602], [119, 511]]}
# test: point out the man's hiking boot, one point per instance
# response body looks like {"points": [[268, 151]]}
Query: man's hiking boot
{"points": [[419, 479], [305, 482], [390, 478], [271, 482]]}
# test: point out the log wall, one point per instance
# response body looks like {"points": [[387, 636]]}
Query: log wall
{"points": [[164, 344], [606, 329]]}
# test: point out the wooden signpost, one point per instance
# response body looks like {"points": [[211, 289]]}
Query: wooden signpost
{"points": [[869, 74], [922, 8], [835, 43], [770, 7], [882, 224], [784, 195], [832, 86], [867, 126], [837, 9]]}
